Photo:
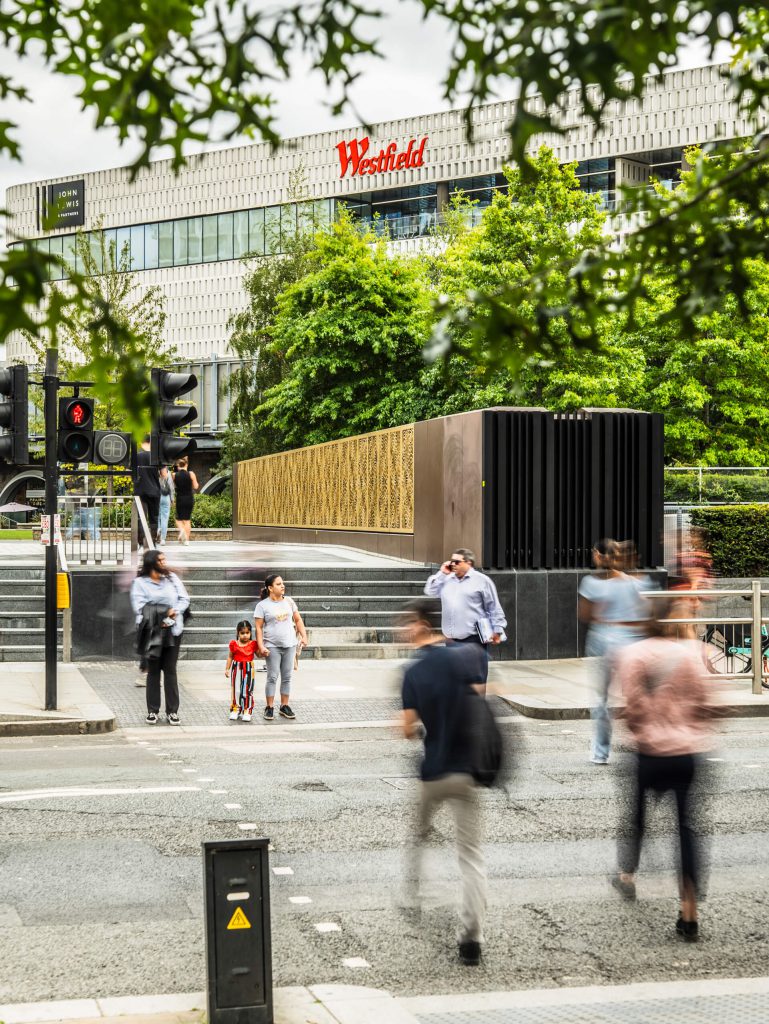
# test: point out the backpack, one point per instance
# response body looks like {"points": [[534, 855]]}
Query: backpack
{"points": [[482, 737]]}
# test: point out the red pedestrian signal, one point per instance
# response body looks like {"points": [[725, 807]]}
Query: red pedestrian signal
{"points": [[75, 429]]}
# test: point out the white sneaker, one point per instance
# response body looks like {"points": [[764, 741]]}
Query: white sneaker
{"points": [[234, 716], [246, 716], [140, 681]]}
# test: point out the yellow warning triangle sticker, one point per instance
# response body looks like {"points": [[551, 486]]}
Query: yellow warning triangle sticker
{"points": [[238, 920]]}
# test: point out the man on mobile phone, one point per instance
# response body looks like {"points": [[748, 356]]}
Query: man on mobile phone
{"points": [[470, 608]]}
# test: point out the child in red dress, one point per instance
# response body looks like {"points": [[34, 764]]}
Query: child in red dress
{"points": [[240, 670]]}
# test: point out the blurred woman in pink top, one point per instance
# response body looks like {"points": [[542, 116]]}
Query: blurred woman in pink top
{"points": [[668, 714]]}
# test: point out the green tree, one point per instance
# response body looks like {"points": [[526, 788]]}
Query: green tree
{"points": [[90, 351], [165, 73], [352, 333], [539, 226]]}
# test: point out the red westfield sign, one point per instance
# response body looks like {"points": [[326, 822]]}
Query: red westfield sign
{"points": [[353, 157]]}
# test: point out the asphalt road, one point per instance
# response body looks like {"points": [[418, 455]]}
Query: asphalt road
{"points": [[101, 890]]}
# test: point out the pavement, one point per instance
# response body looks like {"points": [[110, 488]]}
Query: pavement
{"points": [[736, 1000], [557, 690]]}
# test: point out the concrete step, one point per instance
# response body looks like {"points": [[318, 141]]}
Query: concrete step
{"points": [[208, 651], [20, 638], [319, 636], [208, 603], [301, 589], [23, 603], [30, 652], [20, 621], [327, 572]]}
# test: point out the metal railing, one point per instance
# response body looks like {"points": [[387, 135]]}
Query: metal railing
{"points": [[96, 530], [754, 665], [716, 485]]}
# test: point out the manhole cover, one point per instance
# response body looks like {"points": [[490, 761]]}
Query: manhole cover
{"points": [[312, 787]]}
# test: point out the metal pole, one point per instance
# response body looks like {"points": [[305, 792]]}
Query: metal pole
{"points": [[756, 643], [50, 392]]}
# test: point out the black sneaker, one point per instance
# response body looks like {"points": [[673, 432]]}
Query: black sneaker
{"points": [[689, 930], [269, 714], [173, 719], [152, 718], [470, 953], [286, 712]]}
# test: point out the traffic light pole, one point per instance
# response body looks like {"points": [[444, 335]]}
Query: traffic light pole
{"points": [[50, 394]]}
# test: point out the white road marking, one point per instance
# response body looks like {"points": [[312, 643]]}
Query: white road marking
{"points": [[327, 926], [20, 796], [299, 899], [194, 770], [282, 871], [219, 792], [356, 961], [714, 759], [248, 826], [233, 807], [201, 779]]}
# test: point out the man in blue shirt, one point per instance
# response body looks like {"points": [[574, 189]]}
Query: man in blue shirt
{"points": [[468, 598], [436, 685]]}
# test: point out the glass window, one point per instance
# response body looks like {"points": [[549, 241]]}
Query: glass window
{"points": [[256, 232], [210, 239], [70, 257], [195, 240], [180, 243], [151, 246], [137, 247], [272, 229], [123, 248], [225, 236], [110, 244], [166, 244], [94, 247], [322, 210], [240, 245], [56, 249], [288, 222]]}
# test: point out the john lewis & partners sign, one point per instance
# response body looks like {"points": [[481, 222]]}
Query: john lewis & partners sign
{"points": [[353, 157], [66, 200]]}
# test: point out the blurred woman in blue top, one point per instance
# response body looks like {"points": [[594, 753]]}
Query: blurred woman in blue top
{"points": [[612, 604], [157, 585]]}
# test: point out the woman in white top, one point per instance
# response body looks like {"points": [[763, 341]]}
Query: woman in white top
{"points": [[278, 624], [611, 603]]}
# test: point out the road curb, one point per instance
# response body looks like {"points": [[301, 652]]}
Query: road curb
{"points": [[321, 1004], [533, 708], [57, 727]]}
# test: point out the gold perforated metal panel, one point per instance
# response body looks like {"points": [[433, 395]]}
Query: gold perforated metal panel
{"points": [[358, 483]]}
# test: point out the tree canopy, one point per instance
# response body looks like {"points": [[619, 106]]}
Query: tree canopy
{"points": [[187, 71]]}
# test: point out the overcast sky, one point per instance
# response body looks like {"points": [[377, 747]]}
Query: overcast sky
{"points": [[58, 139]]}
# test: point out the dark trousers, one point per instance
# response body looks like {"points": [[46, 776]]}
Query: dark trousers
{"points": [[484, 661], [151, 506], [166, 664], [664, 774]]}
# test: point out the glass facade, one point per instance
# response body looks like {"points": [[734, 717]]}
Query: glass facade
{"points": [[177, 243]]}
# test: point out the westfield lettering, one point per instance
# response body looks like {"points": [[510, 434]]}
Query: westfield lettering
{"points": [[352, 157]]}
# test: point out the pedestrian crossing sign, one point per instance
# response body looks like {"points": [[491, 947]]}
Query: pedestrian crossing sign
{"points": [[238, 920]]}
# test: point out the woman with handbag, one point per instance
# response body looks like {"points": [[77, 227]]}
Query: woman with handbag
{"points": [[161, 605], [166, 499]]}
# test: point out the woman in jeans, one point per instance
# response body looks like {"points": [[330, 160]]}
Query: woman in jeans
{"points": [[162, 590], [278, 624], [668, 714], [611, 603], [166, 500]]}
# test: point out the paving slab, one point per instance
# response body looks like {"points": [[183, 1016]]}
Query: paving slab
{"points": [[22, 703]]}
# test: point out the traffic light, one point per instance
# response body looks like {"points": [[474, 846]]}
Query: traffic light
{"points": [[112, 448], [165, 446], [75, 430], [14, 415]]}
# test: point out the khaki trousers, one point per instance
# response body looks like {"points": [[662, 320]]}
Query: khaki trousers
{"points": [[461, 793]]}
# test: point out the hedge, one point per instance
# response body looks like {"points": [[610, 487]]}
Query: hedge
{"points": [[685, 487], [211, 511], [737, 538]]}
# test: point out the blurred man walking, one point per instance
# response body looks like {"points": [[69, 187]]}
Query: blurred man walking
{"points": [[436, 687]]}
